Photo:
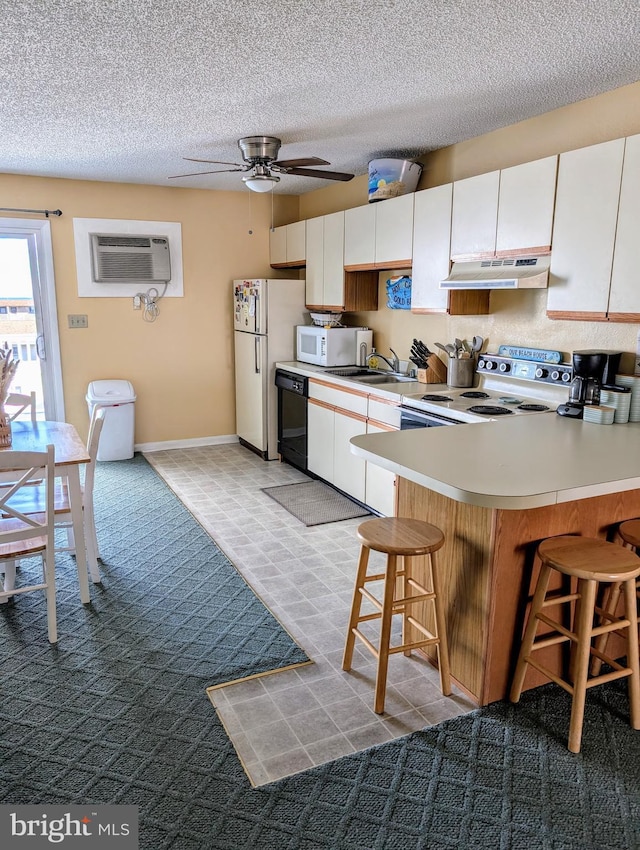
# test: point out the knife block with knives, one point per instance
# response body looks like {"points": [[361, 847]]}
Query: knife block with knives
{"points": [[435, 373], [431, 370]]}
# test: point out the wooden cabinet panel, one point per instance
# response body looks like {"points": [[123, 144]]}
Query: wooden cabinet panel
{"points": [[525, 205], [584, 231], [475, 215], [624, 297]]}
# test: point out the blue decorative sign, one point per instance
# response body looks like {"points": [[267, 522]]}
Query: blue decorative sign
{"points": [[399, 293]]}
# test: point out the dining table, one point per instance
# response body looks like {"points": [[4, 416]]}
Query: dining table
{"points": [[70, 455]]}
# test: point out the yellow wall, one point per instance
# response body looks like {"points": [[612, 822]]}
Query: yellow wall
{"points": [[516, 317], [181, 366]]}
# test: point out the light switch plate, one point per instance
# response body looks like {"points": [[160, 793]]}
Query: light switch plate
{"points": [[78, 320]]}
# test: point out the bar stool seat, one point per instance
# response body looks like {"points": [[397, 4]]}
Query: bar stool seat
{"points": [[591, 562], [397, 537]]}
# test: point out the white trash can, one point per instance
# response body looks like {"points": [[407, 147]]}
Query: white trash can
{"points": [[118, 399]]}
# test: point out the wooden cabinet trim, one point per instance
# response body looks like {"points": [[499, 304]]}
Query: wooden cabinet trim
{"points": [[538, 250], [577, 317], [295, 264], [338, 389], [382, 425], [386, 266], [624, 317], [359, 417], [381, 400], [319, 403]]}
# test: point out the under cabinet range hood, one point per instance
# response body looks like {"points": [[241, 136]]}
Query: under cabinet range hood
{"points": [[506, 273]]}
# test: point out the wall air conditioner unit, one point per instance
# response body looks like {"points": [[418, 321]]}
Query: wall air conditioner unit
{"points": [[123, 258]]}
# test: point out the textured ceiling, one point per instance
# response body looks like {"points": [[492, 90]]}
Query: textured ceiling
{"points": [[121, 90]]}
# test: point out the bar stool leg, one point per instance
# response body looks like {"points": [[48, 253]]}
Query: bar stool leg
{"points": [[404, 585], [633, 652], [609, 605], [530, 632], [583, 630], [356, 604], [441, 629], [385, 633]]}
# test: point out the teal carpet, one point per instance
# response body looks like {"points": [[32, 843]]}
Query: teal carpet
{"points": [[117, 713]]}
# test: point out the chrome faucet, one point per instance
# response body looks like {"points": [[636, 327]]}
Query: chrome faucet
{"points": [[394, 364]]}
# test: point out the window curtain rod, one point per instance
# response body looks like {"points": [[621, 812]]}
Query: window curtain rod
{"points": [[46, 213]]}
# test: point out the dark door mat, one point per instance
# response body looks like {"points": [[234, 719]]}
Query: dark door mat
{"points": [[315, 503]]}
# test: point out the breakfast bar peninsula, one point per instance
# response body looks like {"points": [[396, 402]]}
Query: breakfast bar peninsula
{"points": [[497, 489]]}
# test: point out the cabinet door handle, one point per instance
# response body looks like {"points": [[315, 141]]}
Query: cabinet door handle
{"points": [[256, 354]]}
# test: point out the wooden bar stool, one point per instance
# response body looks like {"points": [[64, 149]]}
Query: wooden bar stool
{"points": [[590, 561], [407, 538], [629, 533]]}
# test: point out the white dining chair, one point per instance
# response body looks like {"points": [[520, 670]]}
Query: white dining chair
{"points": [[25, 536], [31, 501], [18, 403]]}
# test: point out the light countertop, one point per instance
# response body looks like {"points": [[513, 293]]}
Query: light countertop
{"points": [[526, 462], [392, 391]]}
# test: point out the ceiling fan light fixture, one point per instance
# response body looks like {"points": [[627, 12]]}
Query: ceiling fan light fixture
{"points": [[260, 182]]}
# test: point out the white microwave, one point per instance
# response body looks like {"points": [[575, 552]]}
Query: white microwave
{"points": [[328, 346]]}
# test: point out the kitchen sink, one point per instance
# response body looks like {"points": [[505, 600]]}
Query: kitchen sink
{"points": [[369, 376], [383, 379]]}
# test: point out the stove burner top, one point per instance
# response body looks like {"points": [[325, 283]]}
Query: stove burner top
{"points": [[533, 407], [434, 397], [474, 394], [490, 410]]}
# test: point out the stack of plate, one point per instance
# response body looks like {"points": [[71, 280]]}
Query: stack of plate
{"points": [[633, 382], [600, 414], [620, 400]]}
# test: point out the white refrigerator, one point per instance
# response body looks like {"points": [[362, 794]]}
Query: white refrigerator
{"points": [[265, 316]]}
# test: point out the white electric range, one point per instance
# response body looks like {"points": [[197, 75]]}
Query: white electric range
{"points": [[504, 387]]}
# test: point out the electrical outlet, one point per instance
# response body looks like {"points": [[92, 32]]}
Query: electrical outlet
{"points": [[78, 321]]}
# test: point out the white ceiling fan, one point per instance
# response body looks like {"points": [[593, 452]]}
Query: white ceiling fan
{"points": [[260, 160]]}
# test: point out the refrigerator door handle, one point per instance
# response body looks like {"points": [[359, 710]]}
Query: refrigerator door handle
{"points": [[256, 352], [257, 310]]}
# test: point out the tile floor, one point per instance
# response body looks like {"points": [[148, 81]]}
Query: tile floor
{"points": [[294, 719]]}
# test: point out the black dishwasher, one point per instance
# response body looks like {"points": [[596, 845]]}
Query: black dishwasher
{"points": [[293, 391]]}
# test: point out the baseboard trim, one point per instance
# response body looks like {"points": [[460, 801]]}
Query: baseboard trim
{"points": [[186, 444]]}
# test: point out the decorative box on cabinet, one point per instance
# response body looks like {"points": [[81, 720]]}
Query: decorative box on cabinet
{"points": [[288, 246]]}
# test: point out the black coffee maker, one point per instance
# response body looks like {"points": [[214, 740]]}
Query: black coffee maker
{"points": [[588, 377]]}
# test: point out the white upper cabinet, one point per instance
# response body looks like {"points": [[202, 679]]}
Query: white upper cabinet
{"points": [[333, 254], [525, 206], [360, 236], [315, 261], [394, 231], [278, 245], [288, 244], [379, 235], [431, 248], [475, 216], [584, 231], [624, 297]]}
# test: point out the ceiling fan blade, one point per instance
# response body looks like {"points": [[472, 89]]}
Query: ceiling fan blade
{"points": [[325, 175], [295, 163], [214, 161], [200, 173]]}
